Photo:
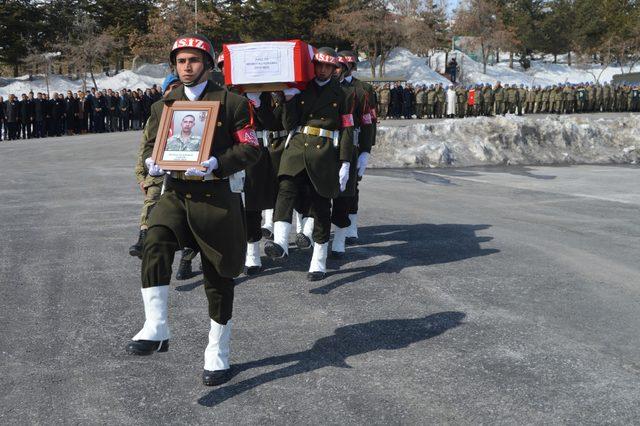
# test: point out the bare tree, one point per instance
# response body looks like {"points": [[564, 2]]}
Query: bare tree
{"points": [[368, 26], [481, 21]]}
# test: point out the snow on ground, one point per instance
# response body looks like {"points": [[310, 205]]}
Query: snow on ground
{"points": [[404, 64], [509, 140], [147, 76]]}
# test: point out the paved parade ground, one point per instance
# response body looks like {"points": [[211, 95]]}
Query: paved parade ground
{"points": [[475, 296]]}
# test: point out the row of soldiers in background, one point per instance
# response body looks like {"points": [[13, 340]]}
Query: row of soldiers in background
{"points": [[484, 100], [78, 113]]}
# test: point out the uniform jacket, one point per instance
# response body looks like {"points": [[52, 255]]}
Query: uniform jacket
{"points": [[327, 108]]}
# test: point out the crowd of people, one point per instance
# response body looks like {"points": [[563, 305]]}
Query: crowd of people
{"points": [[96, 111], [438, 101]]}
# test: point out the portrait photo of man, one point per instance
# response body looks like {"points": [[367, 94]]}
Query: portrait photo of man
{"points": [[187, 139]]}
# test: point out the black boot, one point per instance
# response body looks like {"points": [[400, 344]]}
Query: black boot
{"points": [[302, 241], [146, 347], [316, 276], [267, 234], [214, 378], [274, 251], [136, 249], [184, 270]]}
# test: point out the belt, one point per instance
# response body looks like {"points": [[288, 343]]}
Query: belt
{"points": [[279, 134], [316, 131], [182, 176]]}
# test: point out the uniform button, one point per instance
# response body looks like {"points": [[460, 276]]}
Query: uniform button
{"points": [[322, 118], [219, 123], [207, 195], [306, 144], [188, 196], [310, 115], [301, 102], [318, 146]]}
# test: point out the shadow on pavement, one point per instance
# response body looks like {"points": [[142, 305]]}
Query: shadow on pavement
{"points": [[406, 246], [333, 351]]}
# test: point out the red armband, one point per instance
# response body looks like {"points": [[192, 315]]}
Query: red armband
{"points": [[347, 120], [366, 118], [248, 136]]}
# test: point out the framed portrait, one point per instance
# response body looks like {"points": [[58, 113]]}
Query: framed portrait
{"points": [[185, 134]]}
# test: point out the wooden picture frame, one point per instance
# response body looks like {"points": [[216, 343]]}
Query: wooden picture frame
{"points": [[198, 119]]}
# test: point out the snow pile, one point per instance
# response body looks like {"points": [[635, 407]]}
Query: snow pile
{"points": [[405, 65], [509, 140], [153, 70], [57, 83]]}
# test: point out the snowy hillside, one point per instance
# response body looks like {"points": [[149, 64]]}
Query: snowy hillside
{"points": [[402, 63], [509, 140], [146, 76]]}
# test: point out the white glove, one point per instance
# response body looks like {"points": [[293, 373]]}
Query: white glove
{"points": [[211, 164], [363, 160], [154, 169], [290, 93], [343, 175], [254, 97]]}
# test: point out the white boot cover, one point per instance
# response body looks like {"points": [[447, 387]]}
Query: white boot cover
{"points": [[253, 255], [216, 355], [339, 236], [319, 258], [281, 232], [307, 228], [299, 221], [352, 230], [155, 314], [268, 219]]}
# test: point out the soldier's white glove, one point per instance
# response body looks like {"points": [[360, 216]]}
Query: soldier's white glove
{"points": [[290, 93], [154, 169], [211, 164], [363, 161], [343, 175], [254, 97]]}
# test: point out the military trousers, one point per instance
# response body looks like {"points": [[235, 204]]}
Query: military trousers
{"points": [[292, 193], [151, 197], [254, 226], [159, 250]]}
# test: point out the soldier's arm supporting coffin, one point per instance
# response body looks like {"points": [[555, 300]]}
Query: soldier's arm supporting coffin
{"points": [[268, 66]]}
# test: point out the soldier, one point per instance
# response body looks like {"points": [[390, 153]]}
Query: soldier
{"points": [[499, 97], [431, 102], [461, 100], [488, 96], [186, 140], [151, 186], [316, 159], [344, 214], [441, 100], [530, 99], [606, 98], [421, 98], [522, 97], [569, 97], [511, 98], [385, 98], [198, 209]]}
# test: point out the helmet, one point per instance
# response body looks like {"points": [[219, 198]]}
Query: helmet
{"points": [[192, 41], [171, 78], [348, 57], [326, 55]]}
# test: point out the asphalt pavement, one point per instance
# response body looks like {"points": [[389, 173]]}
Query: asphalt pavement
{"points": [[474, 296]]}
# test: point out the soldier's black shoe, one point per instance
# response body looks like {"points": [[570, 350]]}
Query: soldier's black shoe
{"points": [[302, 241], [136, 249], [147, 347], [215, 378], [274, 251], [253, 270], [351, 241], [267, 234], [184, 270], [336, 254], [315, 276]]}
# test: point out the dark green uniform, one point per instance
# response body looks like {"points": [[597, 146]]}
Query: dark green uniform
{"points": [[310, 161], [204, 214]]}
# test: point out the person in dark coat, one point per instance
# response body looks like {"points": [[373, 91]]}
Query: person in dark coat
{"points": [[84, 111], [99, 108], [2, 108], [70, 112], [11, 115], [137, 106], [39, 115], [23, 117], [111, 103], [407, 101], [124, 110]]}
